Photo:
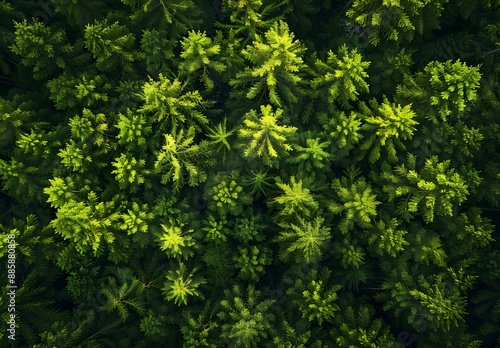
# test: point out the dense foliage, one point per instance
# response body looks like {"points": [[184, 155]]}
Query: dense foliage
{"points": [[251, 173]]}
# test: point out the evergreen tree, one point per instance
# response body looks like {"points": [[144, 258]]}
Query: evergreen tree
{"points": [[267, 138], [275, 74]]}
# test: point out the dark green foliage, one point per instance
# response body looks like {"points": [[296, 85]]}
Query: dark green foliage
{"points": [[250, 173]]}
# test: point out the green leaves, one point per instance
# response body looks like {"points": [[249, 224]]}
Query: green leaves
{"points": [[198, 53], [40, 48], [166, 99], [343, 76], [267, 138], [387, 124], [87, 224], [395, 20], [181, 285], [175, 242], [436, 190], [110, 44], [355, 202], [276, 65], [181, 161], [296, 201], [245, 318], [305, 241]]}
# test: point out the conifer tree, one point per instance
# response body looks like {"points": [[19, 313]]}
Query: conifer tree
{"points": [[40, 48], [275, 74], [343, 76], [181, 160], [267, 138], [199, 56], [395, 20], [246, 319], [387, 125], [305, 241]]}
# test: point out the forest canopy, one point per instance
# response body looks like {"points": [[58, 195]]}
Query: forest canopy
{"points": [[250, 173]]}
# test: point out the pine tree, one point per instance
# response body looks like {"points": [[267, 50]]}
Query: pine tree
{"points": [[245, 318], [436, 190], [275, 74], [181, 160], [355, 202], [167, 100], [199, 56], [40, 48], [296, 201], [387, 125], [396, 20], [181, 285], [267, 138], [110, 45], [305, 241], [343, 76]]}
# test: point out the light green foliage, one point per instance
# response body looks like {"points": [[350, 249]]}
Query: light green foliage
{"points": [[219, 138], [226, 195], [167, 99], [60, 191], [199, 55], [76, 157], [352, 256], [197, 331], [181, 160], [215, 229], [435, 303], [396, 20], [122, 293], [12, 117], [176, 241], [386, 126], [87, 224], [317, 302], [89, 128], [443, 92], [249, 16], [427, 246], [312, 156], [41, 48], [436, 190], [345, 131], [343, 76], [274, 76], [134, 127], [305, 241], [251, 262], [267, 138], [388, 237], [246, 320], [110, 45], [355, 202], [136, 219], [291, 339], [453, 87], [473, 230], [356, 326], [129, 172], [296, 201], [181, 285], [87, 89]]}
